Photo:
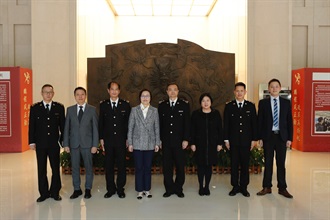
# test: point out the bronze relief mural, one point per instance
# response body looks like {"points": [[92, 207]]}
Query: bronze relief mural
{"points": [[137, 65]]}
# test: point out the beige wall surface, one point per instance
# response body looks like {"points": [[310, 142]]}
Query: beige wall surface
{"points": [[15, 33], [54, 48], [286, 35]]}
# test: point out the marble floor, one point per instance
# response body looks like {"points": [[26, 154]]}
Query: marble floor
{"points": [[308, 178]]}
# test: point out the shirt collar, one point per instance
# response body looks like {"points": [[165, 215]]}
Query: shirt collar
{"points": [[50, 103], [237, 102], [116, 101], [175, 100]]}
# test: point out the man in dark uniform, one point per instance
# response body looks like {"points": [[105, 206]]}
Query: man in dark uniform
{"points": [[46, 127], [174, 119], [113, 128], [241, 135]]}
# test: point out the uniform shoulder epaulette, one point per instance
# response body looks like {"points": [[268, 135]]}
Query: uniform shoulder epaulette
{"points": [[35, 104], [126, 100], [161, 101], [58, 103], [186, 101], [103, 101]]}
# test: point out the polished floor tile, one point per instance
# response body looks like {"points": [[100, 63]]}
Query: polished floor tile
{"points": [[308, 179]]}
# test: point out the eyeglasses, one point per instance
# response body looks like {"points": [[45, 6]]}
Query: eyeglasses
{"points": [[145, 96], [48, 93]]}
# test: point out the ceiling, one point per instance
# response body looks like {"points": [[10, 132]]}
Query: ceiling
{"points": [[161, 7]]}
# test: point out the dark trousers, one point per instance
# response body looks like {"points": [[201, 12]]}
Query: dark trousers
{"points": [[240, 158], [143, 163], [53, 153], [275, 143], [204, 172], [115, 156], [173, 156]]}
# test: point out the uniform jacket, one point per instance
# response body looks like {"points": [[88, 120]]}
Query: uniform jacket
{"points": [[113, 125], [206, 134], [83, 134], [240, 126], [143, 134], [265, 119], [46, 130], [174, 124]]}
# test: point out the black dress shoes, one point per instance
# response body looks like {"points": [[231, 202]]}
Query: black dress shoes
{"points": [[88, 194], [109, 194], [42, 198], [76, 194], [264, 191], [121, 194], [285, 193], [180, 194], [56, 197], [167, 194], [207, 191], [234, 191], [245, 193], [201, 192]]}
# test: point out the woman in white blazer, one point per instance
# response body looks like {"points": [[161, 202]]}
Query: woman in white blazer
{"points": [[143, 140]]}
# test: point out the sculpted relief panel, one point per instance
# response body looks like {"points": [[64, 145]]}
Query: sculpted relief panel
{"points": [[137, 65]]}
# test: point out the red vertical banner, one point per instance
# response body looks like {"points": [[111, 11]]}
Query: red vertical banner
{"points": [[25, 103], [15, 101], [311, 109]]}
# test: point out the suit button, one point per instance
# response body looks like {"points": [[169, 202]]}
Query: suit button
{"points": [[114, 132], [114, 125], [114, 116], [240, 116], [47, 118], [171, 116], [48, 133], [171, 124], [240, 131], [171, 132], [240, 123], [48, 126]]}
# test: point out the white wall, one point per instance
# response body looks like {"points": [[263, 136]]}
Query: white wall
{"points": [[95, 29], [228, 33], [162, 29]]}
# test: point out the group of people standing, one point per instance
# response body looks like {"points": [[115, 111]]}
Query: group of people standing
{"points": [[145, 129]]}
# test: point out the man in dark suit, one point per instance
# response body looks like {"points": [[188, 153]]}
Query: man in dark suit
{"points": [[174, 119], [275, 133], [240, 132], [45, 133], [113, 128], [81, 139]]}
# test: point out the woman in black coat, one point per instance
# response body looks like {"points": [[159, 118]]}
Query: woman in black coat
{"points": [[206, 140]]}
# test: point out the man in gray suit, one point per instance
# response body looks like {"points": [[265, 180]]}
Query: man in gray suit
{"points": [[81, 139]]}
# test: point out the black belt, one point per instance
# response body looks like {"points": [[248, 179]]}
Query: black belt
{"points": [[276, 132]]}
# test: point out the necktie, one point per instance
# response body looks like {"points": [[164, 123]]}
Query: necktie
{"points": [[240, 106], [275, 115], [47, 108], [172, 105], [81, 112], [114, 106]]}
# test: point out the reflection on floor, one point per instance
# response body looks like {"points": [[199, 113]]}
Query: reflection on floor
{"points": [[308, 179]]}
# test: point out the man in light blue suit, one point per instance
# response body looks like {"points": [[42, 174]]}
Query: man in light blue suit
{"points": [[81, 140]]}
